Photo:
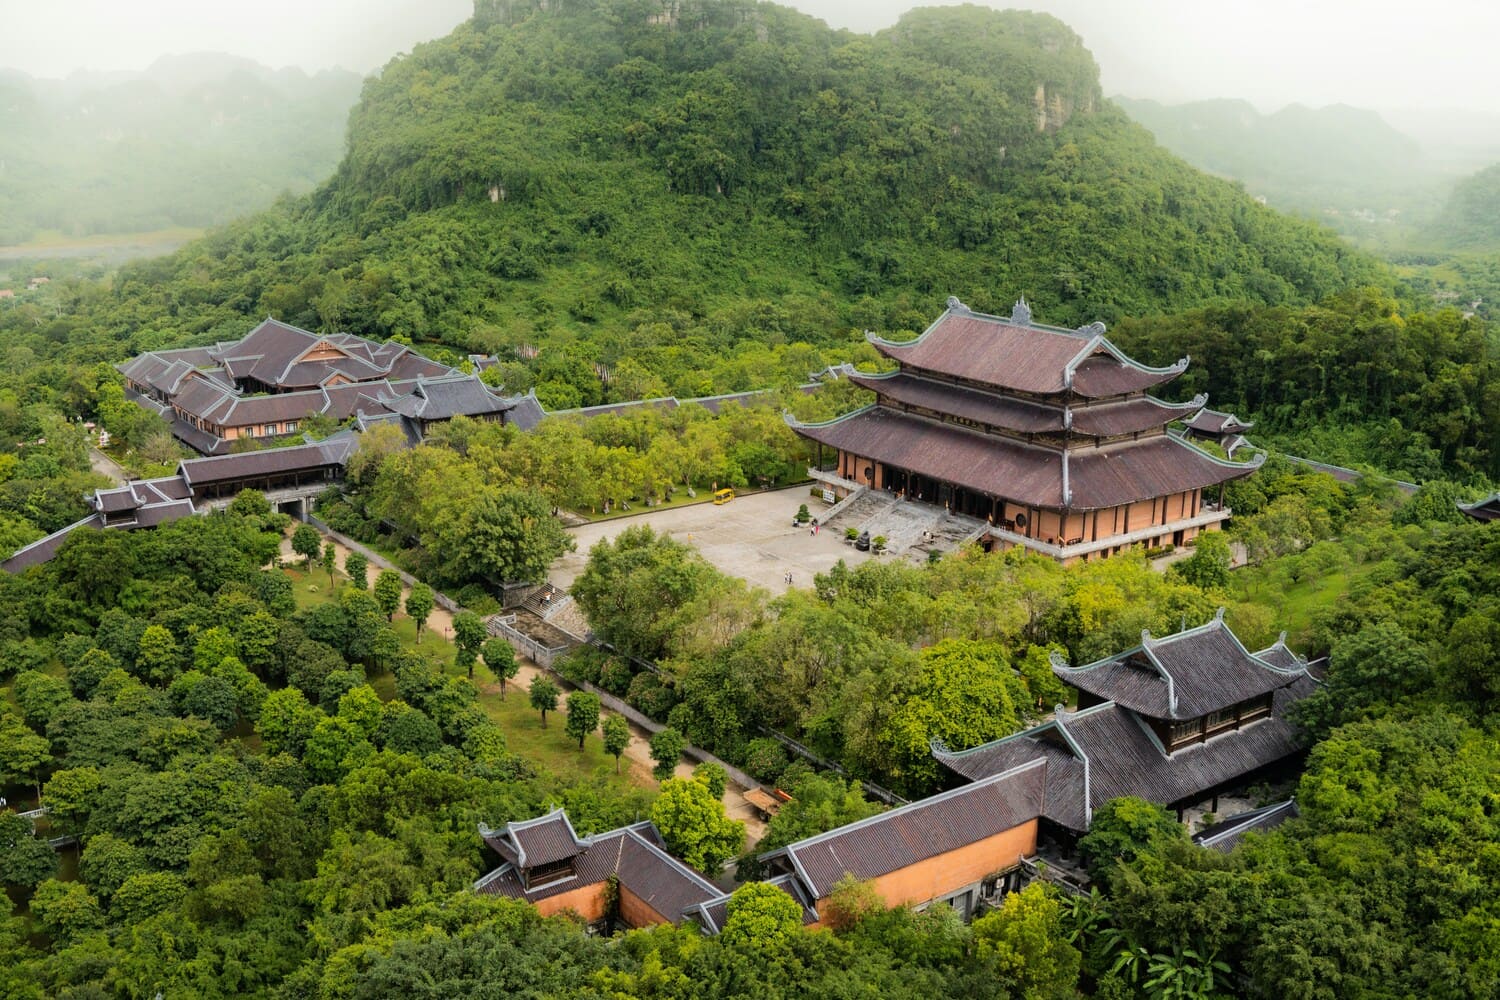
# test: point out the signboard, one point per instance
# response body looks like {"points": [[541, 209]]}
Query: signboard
{"points": [[828, 496]]}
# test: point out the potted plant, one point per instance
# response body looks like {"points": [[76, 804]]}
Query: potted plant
{"points": [[850, 534], [879, 542], [803, 516]]}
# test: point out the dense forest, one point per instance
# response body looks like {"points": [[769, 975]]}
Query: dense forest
{"points": [[192, 141], [275, 767]]}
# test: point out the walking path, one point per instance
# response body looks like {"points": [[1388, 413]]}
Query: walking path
{"points": [[106, 466]]}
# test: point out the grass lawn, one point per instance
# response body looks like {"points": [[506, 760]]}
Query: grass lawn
{"points": [[1295, 603], [547, 749]]}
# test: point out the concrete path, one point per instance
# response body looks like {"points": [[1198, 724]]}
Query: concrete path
{"points": [[106, 466], [750, 537]]}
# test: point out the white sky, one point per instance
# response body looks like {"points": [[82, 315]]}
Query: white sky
{"points": [[1370, 53]]}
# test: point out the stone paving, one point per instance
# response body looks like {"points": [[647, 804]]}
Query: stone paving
{"points": [[751, 537]]}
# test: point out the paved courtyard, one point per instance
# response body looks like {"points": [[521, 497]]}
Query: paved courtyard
{"points": [[750, 537]]}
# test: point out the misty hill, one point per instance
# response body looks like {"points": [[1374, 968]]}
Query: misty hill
{"points": [[1345, 166], [1471, 218], [622, 180], [193, 141]]}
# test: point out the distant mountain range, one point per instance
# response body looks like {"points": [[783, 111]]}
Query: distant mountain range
{"points": [[1348, 167], [192, 141]]}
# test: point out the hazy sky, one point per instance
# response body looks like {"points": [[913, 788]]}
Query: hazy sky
{"points": [[1372, 53]]}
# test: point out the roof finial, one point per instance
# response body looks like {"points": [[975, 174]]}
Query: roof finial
{"points": [[1219, 616], [1020, 313], [956, 305]]}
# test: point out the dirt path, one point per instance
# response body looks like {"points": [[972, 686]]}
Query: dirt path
{"points": [[638, 754]]}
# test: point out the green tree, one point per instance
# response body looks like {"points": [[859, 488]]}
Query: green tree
{"points": [[25, 860], [1028, 943], [500, 657], [306, 542], [330, 561], [1208, 567], [469, 634], [583, 715], [65, 910], [419, 604], [543, 696], [146, 895], [158, 657], [40, 696], [616, 737], [287, 721], [357, 568], [388, 593], [761, 920], [714, 776], [694, 826], [107, 861], [666, 747], [1122, 829], [23, 754], [72, 796]]}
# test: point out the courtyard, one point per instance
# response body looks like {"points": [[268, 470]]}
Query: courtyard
{"points": [[751, 537]]}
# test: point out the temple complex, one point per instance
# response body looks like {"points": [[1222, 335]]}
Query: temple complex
{"points": [[268, 383], [1048, 438], [1173, 720]]}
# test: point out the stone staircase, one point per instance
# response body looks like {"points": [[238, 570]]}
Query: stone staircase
{"points": [[903, 524], [860, 509]]}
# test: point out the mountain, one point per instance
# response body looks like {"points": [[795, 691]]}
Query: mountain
{"points": [[1470, 221], [193, 141], [662, 183], [1345, 166]]}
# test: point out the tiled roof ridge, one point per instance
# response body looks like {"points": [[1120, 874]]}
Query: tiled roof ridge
{"points": [[1020, 318], [910, 807]]}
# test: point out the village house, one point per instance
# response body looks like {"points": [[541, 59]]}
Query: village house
{"points": [[1048, 437]]}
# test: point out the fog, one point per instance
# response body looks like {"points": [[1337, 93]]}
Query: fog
{"points": [[1370, 53]]}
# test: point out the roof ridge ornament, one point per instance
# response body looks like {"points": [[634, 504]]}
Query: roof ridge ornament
{"points": [[1020, 313], [1219, 616], [956, 305]]}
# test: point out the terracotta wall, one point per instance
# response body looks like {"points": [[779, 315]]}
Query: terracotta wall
{"points": [[587, 901], [927, 880], [636, 912]]}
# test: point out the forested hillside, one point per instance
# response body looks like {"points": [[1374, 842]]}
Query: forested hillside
{"points": [[602, 182], [1345, 166], [193, 141], [1471, 218]]}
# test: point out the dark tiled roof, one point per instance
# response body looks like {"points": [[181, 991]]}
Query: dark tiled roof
{"points": [[200, 471], [526, 413], [897, 839], [1182, 676], [199, 440], [539, 841], [43, 549], [445, 398], [712, 914], [634, 854], [1127, 416], [662, 403], [1098, 477], [1019, 355], [1487, 509], [1226, 836], [1215, 422], [1116, 754]]}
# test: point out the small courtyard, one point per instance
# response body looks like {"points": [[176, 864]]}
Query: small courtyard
{"points": [[751, 537]]}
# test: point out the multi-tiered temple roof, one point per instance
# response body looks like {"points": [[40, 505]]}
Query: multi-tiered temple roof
{"points": [[1004, 416], [1170, 720]]}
